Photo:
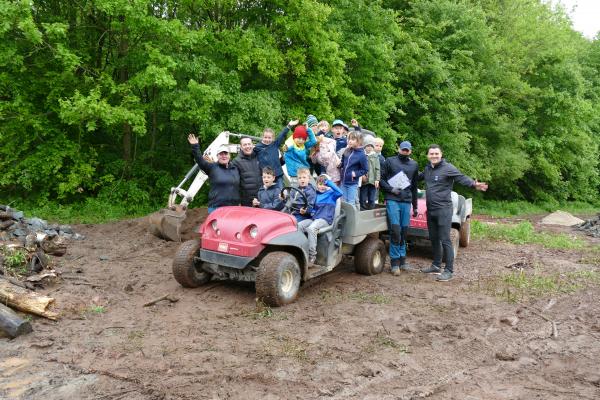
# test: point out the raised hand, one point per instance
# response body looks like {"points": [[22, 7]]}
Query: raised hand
{"points": [[293, 123], [192, 139], [354, 122]]}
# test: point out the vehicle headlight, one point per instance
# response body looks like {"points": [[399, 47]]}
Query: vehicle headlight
{"points": [[218, 232], [213, 224], [238, 236], [253, 231]]}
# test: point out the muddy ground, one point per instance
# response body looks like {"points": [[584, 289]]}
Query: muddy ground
{"points": [[347, 336]]}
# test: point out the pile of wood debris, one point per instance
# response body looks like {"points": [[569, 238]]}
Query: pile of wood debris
{"points": [[27, 248]]}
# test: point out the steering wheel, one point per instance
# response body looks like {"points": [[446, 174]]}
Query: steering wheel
{"points": [[286, 194]]}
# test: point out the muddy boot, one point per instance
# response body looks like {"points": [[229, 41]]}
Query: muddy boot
{"points": [[404, 266], [395, 267]]}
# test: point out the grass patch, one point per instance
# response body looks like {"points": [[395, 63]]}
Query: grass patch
{"points": [[285, 346], [519, 285], [497, 208], [523, 233], [96, 309], [263, 311], [91, 211], [15, 261]]}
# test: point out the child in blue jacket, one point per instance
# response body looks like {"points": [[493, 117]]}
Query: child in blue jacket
{"points": [[354, 165], [322, 213]]}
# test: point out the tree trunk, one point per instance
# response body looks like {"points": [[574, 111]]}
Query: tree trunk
{"points": [[123, 78], [12, 324], [26, 300]]}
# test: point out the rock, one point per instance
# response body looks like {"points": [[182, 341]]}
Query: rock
{"points": [[104, 258], [51, 232], [17, 214], [20, 232], [506, 356], [66, 235], [37, 224], [510, 320], [66, 229], [561, 218], [77, 236]]}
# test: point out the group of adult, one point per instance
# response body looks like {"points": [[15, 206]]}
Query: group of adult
{"points": [[399, 177], [237, 182]]}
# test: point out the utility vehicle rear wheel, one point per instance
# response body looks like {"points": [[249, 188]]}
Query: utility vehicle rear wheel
{"points": [[465, 233], [278, 279], [454, 239], [369, 256], [185, 270]]}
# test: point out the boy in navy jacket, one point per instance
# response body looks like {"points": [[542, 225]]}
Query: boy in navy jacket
{"points": [[268, 194], [323, 213]]}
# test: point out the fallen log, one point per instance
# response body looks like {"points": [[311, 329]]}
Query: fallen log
{"points": [[26, 300], [12, 324]]}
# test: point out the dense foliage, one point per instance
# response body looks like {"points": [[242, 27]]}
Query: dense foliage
{"points": [[97, 96]]}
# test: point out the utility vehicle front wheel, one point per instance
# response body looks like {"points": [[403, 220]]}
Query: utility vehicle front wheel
{"points": [[278, 279], [185, 270]]}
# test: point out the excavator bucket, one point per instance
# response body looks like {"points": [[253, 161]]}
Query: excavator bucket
{"points": [[166, 223]]}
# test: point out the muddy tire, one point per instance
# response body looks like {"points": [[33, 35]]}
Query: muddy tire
{"points": [[465, 233], [369, 256], [185, 271], [454, 239], [278, 279]]}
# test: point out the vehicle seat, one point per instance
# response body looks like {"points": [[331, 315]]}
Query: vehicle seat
{"points": [[336, 215]]}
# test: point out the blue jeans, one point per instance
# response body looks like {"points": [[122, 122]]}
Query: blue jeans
{"points": [[349, 192], [398, 214]]}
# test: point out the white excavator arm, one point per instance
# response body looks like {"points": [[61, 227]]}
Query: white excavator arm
{"points": [[166, 223]]}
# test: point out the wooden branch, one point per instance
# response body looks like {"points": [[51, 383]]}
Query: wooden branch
{"points": [[163, 297], [26, 300]]}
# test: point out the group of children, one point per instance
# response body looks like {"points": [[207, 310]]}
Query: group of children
{"points": [[347, 163]]}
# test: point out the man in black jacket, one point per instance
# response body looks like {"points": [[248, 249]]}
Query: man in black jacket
{"points": [[399, 175], [439, 176], [250, 177]]}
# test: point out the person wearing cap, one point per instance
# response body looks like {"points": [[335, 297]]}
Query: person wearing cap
{"points": [[339, 130], [248, 165], [297, 152], [399, 177], [224, 177], [370, 181], [313, 123], [439, 176]]}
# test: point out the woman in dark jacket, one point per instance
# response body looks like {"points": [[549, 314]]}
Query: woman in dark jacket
{"points": [[224, 177]]}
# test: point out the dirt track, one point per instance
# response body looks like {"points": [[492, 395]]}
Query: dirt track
{"points": [[347, 336]]}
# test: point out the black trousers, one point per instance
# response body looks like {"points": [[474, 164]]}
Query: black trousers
{"points": [[439, 223]]}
